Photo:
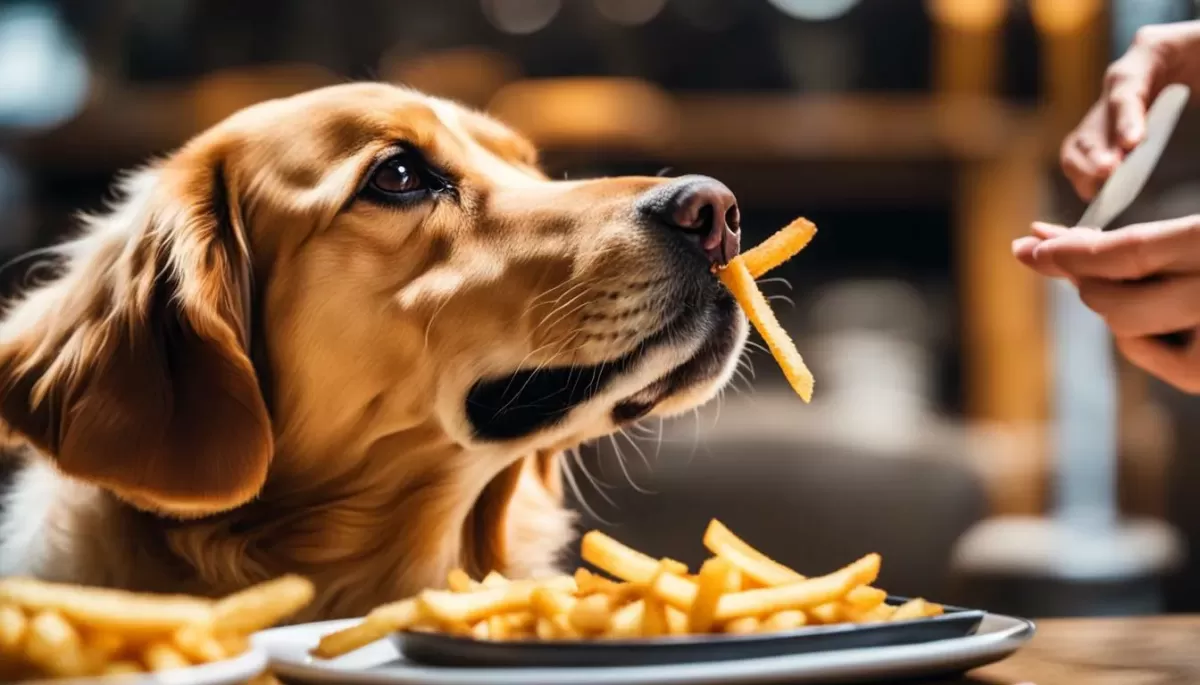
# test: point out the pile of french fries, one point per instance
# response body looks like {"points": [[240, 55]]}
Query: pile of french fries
{"points": [[738, 590], [739, 276], [51, 630]]}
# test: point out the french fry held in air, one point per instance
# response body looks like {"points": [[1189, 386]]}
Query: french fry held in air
{"points": [[780, 247], [739, 276], [737, 591]]}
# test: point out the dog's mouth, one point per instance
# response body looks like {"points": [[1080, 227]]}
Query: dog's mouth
{"points": [[531, 400]]}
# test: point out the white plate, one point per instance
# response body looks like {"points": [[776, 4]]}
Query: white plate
{"points": [[231, 672], [380, 664]]}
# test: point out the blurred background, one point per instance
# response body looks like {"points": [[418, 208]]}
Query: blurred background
{"points": [[949, 432]]}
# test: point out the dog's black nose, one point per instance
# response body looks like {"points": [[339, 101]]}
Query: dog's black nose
{"points": [[703, 207]]}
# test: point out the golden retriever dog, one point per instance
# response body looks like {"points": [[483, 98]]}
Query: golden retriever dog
{"points": [[347, 334]]}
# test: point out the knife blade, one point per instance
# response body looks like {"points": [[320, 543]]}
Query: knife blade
{"points": [[1127, 181]]}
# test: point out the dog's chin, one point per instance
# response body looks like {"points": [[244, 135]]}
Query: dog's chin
{"points": [[528, 401]]}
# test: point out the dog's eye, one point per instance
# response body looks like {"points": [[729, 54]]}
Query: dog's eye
{"points": [[399, 175]]}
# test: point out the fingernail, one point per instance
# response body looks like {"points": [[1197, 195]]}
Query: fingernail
{"points": [[1131, 135], [1106, 159], [1024, 245]]}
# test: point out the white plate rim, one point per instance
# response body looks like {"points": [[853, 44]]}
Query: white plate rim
{"points": [[998, 637], [250, 664]]}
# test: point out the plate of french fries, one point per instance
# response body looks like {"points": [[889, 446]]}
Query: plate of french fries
{"points": [[639, 610], [70, 634], [634, 618]]}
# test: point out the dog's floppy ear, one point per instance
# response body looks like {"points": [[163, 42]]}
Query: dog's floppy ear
{"points": [[131, 370]]}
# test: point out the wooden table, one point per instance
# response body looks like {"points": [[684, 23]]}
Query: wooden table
{"points": [[1134, 651]]}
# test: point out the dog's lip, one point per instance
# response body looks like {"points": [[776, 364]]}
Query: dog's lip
{"points": [[705, 364]]}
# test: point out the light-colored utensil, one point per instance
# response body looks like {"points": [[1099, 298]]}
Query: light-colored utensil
{"points": [[1127, 181]]}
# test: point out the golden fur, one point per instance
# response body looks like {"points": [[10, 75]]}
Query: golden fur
{"points": [[245, 369]]}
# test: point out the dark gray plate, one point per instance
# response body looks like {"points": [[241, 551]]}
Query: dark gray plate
{"points": [[447, 650]]}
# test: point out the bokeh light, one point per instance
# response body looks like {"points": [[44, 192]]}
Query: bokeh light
{"points": [[815, 10], [521, 17], [42, 69]]}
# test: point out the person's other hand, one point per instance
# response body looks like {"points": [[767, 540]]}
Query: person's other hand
{"points": [[1160, 55], [1142, 279]]}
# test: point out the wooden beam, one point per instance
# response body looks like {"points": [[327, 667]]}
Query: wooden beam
{"points": [[1004, 305]]}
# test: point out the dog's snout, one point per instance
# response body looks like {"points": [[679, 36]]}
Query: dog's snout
{"points": [[703, 207]]}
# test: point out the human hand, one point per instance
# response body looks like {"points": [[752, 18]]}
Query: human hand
{"points": [[1160, 55], [1144, 280]]}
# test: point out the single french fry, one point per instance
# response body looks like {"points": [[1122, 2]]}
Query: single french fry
{"points": [[654, 612], [803, 595], [233, 645], [722, 542], [789, 619], [737, 278], [545, 629], [104, 643], [654, 617], [493, 579], [481, 630], [713, 582], [780, 247], [616, 559], [592, 615], [628, 621], [378, 624], [162, 656], [743, 626], [261, 606], [103, 609], [829, 612], [677, 621], [865, 597], [915, 608], [497, 627], [53, 645], [13, 625], [672, 566], [879, 614], [458, 581], [519, 621], [198, 644], [733, 582]]}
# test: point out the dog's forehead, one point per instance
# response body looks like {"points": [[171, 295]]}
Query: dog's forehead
{"points": [[345, 118]]}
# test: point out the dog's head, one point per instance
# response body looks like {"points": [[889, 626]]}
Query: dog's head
{"points": [[348, 265]]}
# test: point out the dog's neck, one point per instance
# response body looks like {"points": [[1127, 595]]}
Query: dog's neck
{"points": [[365, 528]]}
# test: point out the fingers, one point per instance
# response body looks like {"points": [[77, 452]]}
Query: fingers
{"points": [[1145, 308], [1179, 367], [1023, 249], [1047, 231], [1127, 88], [1130, 253], [1084, 174], [1087, 156]]}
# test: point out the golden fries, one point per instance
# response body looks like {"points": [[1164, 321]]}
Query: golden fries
{"points": [[739, 276], [57, 630], [779, 248], [739, 590]]}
